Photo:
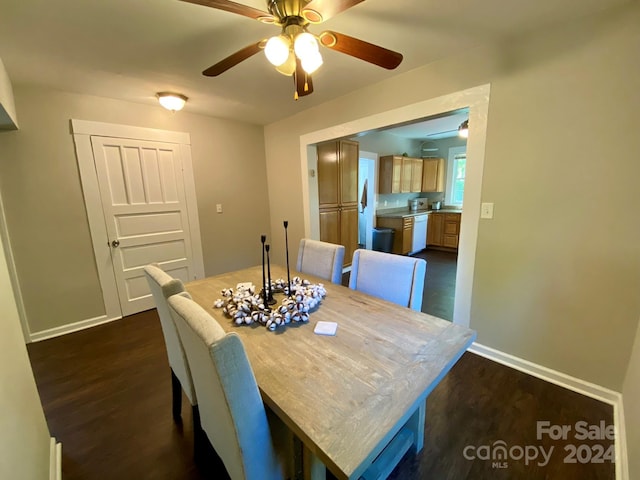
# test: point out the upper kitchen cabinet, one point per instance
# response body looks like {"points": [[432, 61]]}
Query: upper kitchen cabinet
{"points": [[390, 174], [398, 174], [414, 165], [433, 172], [338, 194], [338, 173]]}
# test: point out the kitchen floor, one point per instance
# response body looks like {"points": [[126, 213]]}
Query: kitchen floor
{"points": [[439, 282]]}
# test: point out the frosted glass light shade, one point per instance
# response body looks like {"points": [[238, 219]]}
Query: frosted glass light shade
{"points": [[171, 101], [311, 62], [277, 50], [305, 44], [289, 66]]}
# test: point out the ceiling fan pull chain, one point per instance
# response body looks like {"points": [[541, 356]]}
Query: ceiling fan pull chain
{"points": [[306, 82]]}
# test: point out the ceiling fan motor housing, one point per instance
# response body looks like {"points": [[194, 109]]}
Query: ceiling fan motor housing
{"points": [[285, 8]]}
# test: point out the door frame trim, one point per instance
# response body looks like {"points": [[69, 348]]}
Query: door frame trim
{"points": [[82, 130]]}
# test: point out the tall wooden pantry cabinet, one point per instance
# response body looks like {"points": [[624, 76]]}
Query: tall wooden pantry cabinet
{"points": [[338, 194]]}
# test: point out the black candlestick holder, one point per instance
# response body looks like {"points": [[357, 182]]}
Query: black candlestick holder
{"points": [[286, 242], [270, 299], [263, 238]]}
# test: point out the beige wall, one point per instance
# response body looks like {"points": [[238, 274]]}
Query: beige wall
{"points": [[631, 399], [558, 268], [8, 120], [47, 221], [24, 436]]}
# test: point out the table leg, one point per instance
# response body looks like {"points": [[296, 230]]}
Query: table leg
{"points": [[313, 468], [416, 425]]}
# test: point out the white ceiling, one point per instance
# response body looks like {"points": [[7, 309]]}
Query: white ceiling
{"points": [[433, 128], [131, 49]]}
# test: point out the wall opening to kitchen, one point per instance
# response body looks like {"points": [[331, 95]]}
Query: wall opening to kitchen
{"points": [[476, 100]]}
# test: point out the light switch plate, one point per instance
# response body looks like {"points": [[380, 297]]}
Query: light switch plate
{"points": [[486, 210], [219, 207]]}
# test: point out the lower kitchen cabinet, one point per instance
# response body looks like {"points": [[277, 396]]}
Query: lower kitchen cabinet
{"points": [[451, 231], [349, 232], [340, 226], [435, 229], [403, 236], [444, 230]]}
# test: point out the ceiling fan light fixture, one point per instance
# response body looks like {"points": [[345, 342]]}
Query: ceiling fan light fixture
{"points": [[311, 62], [463, 129], [171, 101], [305, 45], [289, 66], [277, 49]]}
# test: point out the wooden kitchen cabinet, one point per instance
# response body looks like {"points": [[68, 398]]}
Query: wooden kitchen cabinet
{"points": [[433, 174], [416, 175], [407, 234], [403, 236], [451, 230], [405, 185], [435, 229], [444, 230], [390, 174], [397, 174], [338, 194], [349, 232]]}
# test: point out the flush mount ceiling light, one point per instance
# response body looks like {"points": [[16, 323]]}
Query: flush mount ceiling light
{"points": [[171, 101], [295, 52], [463, 129]]}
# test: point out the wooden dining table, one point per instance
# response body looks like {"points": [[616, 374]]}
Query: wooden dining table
{"points": [[356, 400]]}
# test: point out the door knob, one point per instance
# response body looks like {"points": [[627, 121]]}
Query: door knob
{"points": [[115, 243]]}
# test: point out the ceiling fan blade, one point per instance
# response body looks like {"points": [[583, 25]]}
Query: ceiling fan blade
{"points": [[360, 49], [233, 59], [302, 81], [318, 11], [238, 8]]}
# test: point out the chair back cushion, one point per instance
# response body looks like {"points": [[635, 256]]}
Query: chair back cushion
{"points": [[395, 278], [321, 259], [231, 410], [162, 287]]}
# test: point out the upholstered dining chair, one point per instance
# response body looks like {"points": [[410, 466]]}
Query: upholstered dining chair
{"points": [[395, 278], [251, 445], [162, 286], [321, 259]]}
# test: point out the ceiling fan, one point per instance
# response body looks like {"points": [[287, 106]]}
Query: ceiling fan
{"points": [[295, 51]]}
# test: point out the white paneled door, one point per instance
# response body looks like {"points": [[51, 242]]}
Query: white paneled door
{"points": [[143, 198]]}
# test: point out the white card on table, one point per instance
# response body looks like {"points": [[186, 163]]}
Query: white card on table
{"points": [[326, 328]]}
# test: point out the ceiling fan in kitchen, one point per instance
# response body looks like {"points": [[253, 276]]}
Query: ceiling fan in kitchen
{"points": [[295, 51]]}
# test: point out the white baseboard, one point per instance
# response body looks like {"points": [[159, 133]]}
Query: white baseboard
{"points": [[71, 327], [55, 460], [576, 385]]}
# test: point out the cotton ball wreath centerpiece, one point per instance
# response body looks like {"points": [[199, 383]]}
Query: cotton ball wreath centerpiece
{"points": [[244, 306]]}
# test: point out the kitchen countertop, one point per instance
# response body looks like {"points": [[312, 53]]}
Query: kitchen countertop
{"points": [[405, 212]]}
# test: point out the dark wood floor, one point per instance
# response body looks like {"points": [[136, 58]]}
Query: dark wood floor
{"points": [[439, 282], [106, 394]]}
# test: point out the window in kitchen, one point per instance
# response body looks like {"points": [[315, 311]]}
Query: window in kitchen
{"points": [[455, 176]]}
